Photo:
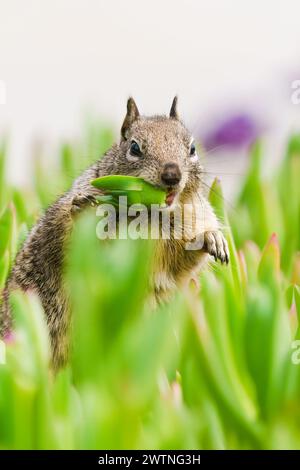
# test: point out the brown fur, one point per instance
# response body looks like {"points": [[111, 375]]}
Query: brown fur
{"points": [[39, 264]]}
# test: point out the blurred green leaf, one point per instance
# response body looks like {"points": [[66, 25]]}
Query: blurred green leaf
{"points": [[6, 226]]}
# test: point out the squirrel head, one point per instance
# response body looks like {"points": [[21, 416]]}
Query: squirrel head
{"points": [[160, 150]]}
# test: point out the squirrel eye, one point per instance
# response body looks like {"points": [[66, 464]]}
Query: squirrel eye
{"points": [[135, 148], [192, 149]]}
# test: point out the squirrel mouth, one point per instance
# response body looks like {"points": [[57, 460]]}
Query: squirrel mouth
{"points": [[171, 194]]}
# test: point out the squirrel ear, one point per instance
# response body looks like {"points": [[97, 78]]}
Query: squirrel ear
{"points": [[173, 110], [131, 116]]}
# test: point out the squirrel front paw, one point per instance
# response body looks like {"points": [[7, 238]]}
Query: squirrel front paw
{"points": [[216, 245], [80, 201]]}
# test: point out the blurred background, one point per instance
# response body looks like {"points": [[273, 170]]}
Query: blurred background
{"points": [[231, 63]]}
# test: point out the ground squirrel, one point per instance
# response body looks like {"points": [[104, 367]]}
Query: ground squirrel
{"points": [[158, 149]]}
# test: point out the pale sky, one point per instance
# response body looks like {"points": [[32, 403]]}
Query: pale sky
{"points": [[61, 57]]}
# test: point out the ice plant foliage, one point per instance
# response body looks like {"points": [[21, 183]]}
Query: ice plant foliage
{"points": [[212, 369], [135, 189]]}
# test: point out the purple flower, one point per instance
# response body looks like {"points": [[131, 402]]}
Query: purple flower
{"points": [[236, 131]]}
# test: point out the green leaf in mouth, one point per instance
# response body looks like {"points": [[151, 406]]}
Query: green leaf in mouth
{"points": [[136, 189]]}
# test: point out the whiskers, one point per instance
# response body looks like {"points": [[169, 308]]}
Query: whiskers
{"points": [[209, 188]]}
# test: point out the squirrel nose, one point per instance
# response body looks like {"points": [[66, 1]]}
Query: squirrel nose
{"points": [[171, 174]]}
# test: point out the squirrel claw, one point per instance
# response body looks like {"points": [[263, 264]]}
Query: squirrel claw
{"points": [[80, 201], [215, 244]]}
